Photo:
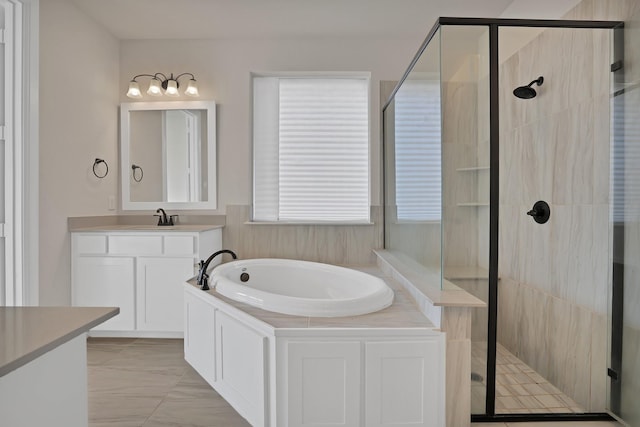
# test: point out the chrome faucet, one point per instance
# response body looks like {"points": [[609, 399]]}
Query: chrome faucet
{"points": [[162, 219], [203, 277]]}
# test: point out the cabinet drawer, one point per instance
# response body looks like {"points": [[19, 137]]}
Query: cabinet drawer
{"points": [[91, 244], [135, 245], [179, 245]]}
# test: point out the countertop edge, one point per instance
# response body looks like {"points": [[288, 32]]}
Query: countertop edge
{"points": [[73, 333]]}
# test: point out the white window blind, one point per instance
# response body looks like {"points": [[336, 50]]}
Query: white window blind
{"points": [[417, 151], [311, 149]]}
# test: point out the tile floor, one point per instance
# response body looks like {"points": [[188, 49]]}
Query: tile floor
{"points": [[146, 382], [519, 389], [551, 424]]}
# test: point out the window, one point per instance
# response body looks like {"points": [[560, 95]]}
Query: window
{"points": [[311, 149], [417, 151]]}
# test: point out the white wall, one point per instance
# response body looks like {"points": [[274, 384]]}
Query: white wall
{"points": [[79, 97], [222, 68], [84, 75]]}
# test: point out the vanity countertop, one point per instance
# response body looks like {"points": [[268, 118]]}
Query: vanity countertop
{"points": [[144, 227], [27, 333]]}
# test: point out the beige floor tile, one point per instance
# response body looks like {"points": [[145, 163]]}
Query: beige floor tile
{"points": [[534, 389], [549, 401], [566, 424], [530, 402], [518, 390], [194, 413], [135, 382], [129, 381], [99, 354], [508, 402], [116, 409]]}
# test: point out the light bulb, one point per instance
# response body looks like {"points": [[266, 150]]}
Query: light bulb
{"points": [[192, 88], [134, 90], [154, 87], [172, 88]]}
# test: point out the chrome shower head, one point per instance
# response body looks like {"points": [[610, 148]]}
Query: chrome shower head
{"points": [[527, 92]]}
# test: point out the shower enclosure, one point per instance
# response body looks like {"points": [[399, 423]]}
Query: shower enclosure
{"points": [[503, 167]]}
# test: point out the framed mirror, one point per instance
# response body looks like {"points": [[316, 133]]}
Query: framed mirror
{"points": [[168, 155]]}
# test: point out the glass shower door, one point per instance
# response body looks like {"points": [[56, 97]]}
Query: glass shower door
{"points": [[624, 362]]}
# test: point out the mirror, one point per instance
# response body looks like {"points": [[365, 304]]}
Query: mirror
{"points": [[167, 155]]}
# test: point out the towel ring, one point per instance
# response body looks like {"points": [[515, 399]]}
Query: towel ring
{"points": [[134, 168], [96, 163]]}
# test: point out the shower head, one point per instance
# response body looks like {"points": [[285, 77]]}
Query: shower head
{"points": [[527, 92]]}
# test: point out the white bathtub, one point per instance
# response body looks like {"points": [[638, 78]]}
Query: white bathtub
{"points": [[301, 288]]}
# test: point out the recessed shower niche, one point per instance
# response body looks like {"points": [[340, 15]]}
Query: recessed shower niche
{"points": [[493, 117]]}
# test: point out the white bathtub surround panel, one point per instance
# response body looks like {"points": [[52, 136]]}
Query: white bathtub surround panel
{"points": [[240, 366], [331, 244], [319, 369], [323, 383]]}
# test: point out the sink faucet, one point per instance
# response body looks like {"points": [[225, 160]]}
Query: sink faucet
{"points": [[162, 219], [203, 277]]}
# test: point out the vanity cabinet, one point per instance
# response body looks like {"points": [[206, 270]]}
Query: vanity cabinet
{"points": [[141, 272]]}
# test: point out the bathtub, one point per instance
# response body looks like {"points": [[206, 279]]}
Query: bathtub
{"points": [[301, 288]]}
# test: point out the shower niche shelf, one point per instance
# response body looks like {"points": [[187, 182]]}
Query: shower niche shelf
{"points": [[482, 184], [473, 169], [472, 204]]}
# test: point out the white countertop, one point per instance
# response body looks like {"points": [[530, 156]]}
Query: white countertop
{"points": [[133, 228], [27, 333]]}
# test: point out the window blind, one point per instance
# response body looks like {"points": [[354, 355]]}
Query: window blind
{"points": [[311, 159], [418, 151]]}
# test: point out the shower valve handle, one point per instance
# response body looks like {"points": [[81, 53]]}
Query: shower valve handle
{"points": [[540, 212]]}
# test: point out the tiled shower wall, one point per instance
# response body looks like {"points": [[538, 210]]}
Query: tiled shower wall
{"points": [[555, 277]]}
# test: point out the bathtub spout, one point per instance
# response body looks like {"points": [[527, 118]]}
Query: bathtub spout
{"points": [[203, 277]]}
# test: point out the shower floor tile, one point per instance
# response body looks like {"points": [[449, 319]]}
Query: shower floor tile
{"points": [[519, 389]]}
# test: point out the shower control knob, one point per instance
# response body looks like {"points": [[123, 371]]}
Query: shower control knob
{"points": [[540, 212]]}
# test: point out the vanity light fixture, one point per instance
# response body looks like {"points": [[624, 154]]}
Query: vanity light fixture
{"points": [[159, 83]]}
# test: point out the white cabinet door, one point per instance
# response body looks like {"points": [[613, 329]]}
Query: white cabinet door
{"points": [[323, 383], [160, 294], [405, 383], [106, 282], [240, 367], [199, 336]]}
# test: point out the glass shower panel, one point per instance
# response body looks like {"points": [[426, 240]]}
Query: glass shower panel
{"points": [[554, 147], [412, 132], [465, 171], [624, 362]]}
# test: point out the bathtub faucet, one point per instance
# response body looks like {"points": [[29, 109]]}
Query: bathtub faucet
{"points": [[203, 277]]}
